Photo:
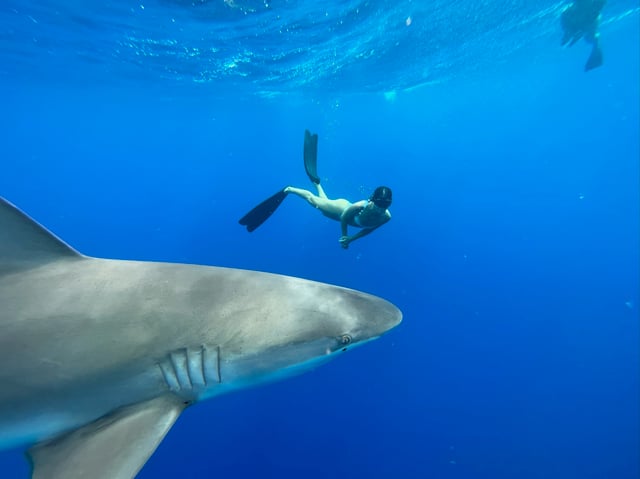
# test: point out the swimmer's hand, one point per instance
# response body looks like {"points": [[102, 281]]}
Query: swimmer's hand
{"points": [[344, 241]]}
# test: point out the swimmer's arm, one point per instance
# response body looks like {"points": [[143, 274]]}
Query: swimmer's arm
{"points": [[346, 240], [365, 231], [362, 233], [349, 214]]}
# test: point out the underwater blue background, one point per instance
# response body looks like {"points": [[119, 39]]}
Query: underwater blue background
{"points": [[512, 252]]}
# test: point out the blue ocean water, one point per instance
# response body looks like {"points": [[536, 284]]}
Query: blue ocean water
{"points": [[145, 130]]}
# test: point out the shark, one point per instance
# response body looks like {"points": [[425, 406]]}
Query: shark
{"points": [[581, 19], [99, 357]]}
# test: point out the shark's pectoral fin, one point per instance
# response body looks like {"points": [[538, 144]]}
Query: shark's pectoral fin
{"points": [[114, 447], [595, 58]]}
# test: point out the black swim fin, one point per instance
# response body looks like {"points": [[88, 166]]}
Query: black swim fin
{"points": [[311, 156], [261, 213]]}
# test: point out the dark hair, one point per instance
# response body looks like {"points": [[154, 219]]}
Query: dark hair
{"points": [[381, 197]]}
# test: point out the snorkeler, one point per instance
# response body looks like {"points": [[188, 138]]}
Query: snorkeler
{"points": [[581, 20], [365, 214]]}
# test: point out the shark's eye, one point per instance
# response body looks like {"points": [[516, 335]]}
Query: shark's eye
{"points": [[345, 339]]}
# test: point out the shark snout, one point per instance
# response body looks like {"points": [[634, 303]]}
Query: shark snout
{"points": [[386, 315], [375, 316]]}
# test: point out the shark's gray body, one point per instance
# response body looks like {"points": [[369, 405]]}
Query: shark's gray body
{"points": [[99, 357]]}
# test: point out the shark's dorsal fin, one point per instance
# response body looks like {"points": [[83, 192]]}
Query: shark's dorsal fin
{"points": [[24, 241], [114, 447]]}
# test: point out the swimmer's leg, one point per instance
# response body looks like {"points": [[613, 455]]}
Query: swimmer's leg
{"points": [[321, 192], [304, 194], [331, 208]]}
